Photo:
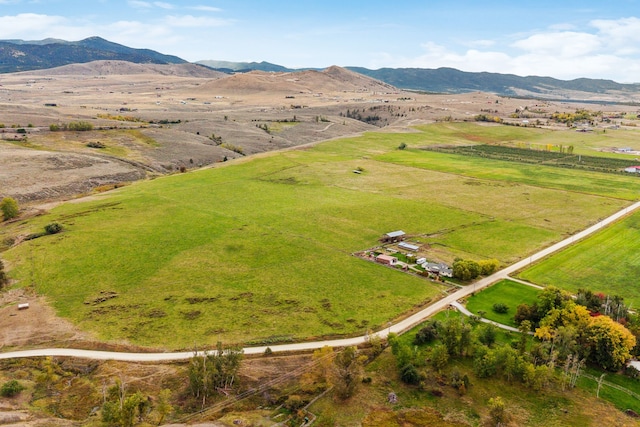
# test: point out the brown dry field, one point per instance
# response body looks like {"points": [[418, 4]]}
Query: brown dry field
{"points": [[50, 166]]}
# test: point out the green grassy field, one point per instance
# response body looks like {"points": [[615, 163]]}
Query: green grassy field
{"points": [[607, 262], [506, 292], [259, 250]]}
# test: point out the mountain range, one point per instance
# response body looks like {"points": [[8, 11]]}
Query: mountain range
{"points": [[20, 55]]}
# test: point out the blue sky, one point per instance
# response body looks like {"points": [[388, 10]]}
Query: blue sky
{"points": [[565, 39]]}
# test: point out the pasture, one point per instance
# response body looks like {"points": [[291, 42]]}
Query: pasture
{"points": [[259, 250], [607, 262]]}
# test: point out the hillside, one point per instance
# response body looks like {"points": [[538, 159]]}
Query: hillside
{"points": [[119, 67], [332, 79], [18, 55], [450, 80]]}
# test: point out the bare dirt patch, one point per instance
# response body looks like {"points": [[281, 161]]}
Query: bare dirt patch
{"points": [[36, 325]]}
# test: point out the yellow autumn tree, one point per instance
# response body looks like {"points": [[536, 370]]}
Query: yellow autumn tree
{"points": [[610, 343]]}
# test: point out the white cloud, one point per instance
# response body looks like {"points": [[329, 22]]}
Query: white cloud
{"points": [[206, 8], [607, 49], [619, 36], [482, 43], [564, 44], [163, 5], [140, 4], [30, 25], [190, 21]]}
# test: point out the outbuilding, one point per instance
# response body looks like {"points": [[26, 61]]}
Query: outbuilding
{"points": [[408, 246], [386, 259], [394, 236]]}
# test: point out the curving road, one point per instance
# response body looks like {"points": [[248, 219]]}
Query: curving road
{"points": [[399, 327]]}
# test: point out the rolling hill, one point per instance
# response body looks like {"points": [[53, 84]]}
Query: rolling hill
{"points": [[332, 79]]}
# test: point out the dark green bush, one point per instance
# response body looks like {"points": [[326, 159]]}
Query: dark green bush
{"points": [[53, 228], [500, 308], [11, 388], [410, 374]]}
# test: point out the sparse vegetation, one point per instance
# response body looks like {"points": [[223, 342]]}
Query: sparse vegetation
{"points": [[232, 147], [80, 126], [120, 118]]}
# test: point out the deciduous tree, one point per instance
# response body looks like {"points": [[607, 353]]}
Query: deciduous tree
{"points": [[347, 372], [610, 343]]}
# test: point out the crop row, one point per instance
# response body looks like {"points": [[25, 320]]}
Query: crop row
{"points": [[551, 158]]}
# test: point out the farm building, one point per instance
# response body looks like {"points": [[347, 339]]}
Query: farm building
{"points": [[408, 246], [440, 269], [386, 259], [632, 169], [394, 236]]}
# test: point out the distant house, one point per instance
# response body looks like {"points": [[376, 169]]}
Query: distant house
{"points": [[394, 236], [632, 169], [386, 259], [408, 246]]}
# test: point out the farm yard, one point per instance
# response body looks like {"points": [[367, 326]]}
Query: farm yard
{"points": [[258, 251]]}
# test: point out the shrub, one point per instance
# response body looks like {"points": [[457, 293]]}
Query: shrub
{"points": [[11, 388], [402, 146], [96, 144], [427, 334], [9, 208], [232, 147], [500, 308], [53, 228], [80, 126], [4, 279], [410, 374]]}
